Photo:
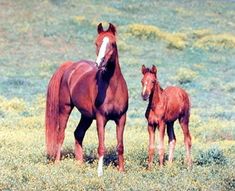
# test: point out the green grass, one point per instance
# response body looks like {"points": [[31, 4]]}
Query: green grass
{"points": [[24, 166], [192, 44]]}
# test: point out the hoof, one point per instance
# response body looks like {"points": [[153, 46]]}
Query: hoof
{"points": [[79, 162], [57, 161], [100, 172], [121, 169], [149, 167]]}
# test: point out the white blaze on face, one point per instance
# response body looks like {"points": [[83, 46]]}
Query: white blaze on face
{"points": [[144, 88], [102, 50]]}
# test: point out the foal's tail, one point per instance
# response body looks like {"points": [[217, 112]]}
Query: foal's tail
{"points": [[52, 110]]}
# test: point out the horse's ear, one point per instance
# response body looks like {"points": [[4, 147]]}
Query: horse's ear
{"points": [[112, 28], [100, 28], [144, 69], [154, 69]]}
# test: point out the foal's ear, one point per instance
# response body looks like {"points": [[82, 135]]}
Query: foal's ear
{"points": [[144, 69], [154, 69], [100, 28], [112, 28]]}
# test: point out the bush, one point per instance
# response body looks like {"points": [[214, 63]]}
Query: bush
{"points": [[229, 87], [211, 156], [13, 105], [174, 40], [216, 40], [185, 75]]}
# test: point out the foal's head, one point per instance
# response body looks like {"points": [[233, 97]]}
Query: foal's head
{"points": [[105, 45], [148, 81]]}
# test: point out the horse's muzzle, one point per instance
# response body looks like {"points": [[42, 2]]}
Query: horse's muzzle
{"points": [[101, 68], [101, 65], [145, 97]]}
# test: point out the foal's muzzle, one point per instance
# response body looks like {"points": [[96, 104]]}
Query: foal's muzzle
{"points": [[144, 93], [145, 96]]}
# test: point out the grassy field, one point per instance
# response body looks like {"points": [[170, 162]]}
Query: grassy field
{"points": [[191, 42]]}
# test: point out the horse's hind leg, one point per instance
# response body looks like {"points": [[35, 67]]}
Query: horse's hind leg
{"points": [[172, 140], [184, 123], [79, 134], [65, 111]]}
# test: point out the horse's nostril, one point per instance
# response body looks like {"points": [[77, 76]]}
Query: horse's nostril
{"points": [[145, 98]]}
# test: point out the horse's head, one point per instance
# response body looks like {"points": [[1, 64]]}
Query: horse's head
{"points": [[105, 45], [148, 81]]}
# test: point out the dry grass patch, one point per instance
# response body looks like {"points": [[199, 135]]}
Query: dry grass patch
{"points": [[174, 40], [216, 40]]}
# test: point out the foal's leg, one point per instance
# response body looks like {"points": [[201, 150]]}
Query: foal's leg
{"points": [[79, 134], [101, 122], [184, 123], [161, 142], [120, 148], [172, 140], [151, 131], [64, 113]]}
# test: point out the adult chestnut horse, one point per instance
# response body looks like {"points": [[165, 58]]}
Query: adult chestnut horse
{"points": [[164, 108], [98, 90]]}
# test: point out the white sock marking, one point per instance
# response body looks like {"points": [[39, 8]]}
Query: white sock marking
{"points": [[100, 166]]}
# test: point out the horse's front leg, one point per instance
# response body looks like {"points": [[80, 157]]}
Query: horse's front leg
{"points": [[100, 122], [151, 150], [120, 146], [161, 142]]}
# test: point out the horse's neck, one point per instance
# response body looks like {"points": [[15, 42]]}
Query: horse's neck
{"points": [[156, 96], [113, 70]]}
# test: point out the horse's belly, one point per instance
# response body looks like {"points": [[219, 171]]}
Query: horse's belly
{"points": [[86, 111], [83, 100], [171, 118], [173, 112]]}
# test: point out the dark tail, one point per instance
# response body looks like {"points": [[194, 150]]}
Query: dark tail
{"points": [[52, 110]]}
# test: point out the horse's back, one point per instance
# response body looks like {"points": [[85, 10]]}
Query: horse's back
{"points": [[177, 92], [76, 71]]}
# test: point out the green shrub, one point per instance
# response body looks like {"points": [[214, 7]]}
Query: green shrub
{"points": [[229, 87], [211, 156], [185, 75], [229, 183]]}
